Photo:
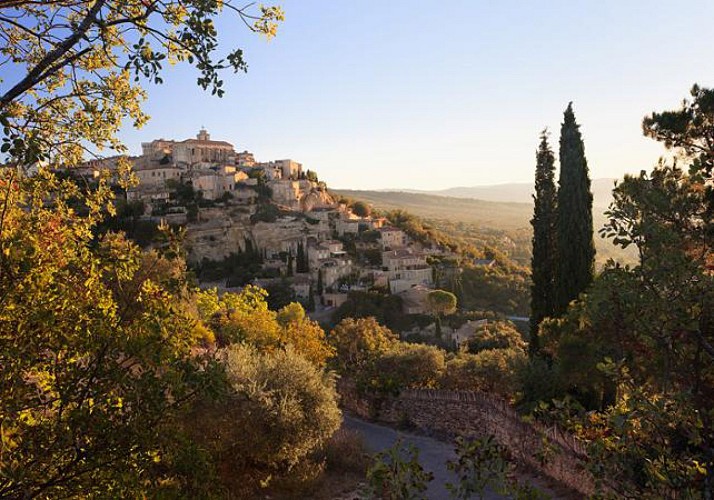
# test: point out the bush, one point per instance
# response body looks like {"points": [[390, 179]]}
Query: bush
{"points": [[496, 335], [345, 452], [492, 370], [539, 381], [281, 409], [286, 397], [358, 342], [407, 366], [266, 212]]}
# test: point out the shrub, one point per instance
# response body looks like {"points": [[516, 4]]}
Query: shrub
{"points": [[406, 366], [306, 336], [539, 381], [280, 410], [345, 452], [496, 335], [358, 342], [293, 403], [492, 370]]}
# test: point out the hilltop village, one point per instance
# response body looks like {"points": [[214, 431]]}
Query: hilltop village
{"points": [[279, 221]]}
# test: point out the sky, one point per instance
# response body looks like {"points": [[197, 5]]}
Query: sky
{"points": [[410, 94]]}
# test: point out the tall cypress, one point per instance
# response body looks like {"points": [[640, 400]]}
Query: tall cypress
{"points": [[543, 270], [301, 259], [576, 248]]}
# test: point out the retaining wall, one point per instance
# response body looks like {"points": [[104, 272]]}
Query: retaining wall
{"points": [[473, 414]]}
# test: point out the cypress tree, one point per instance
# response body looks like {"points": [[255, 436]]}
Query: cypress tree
{"points": [[311, 301], [301, 262], [576, 249], [543, 270], [320, 288]]}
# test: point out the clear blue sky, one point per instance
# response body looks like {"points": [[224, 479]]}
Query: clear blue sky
{"points": [[429, 95]]}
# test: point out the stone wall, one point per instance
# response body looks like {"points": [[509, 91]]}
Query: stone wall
{"points": [[473, 414]]}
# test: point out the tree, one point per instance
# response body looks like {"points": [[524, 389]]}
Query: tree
{"points": [[302, 265], [361, 209], [243, 317], [75, 66], [396, 474], [320, 286], [311, 176], [97, 352], [543, 262], [386, 309], [405, 366], [644, 334], [496, 335], [482, 465], [358, 341], [440, 302], [279, 410], [311, 301], [690, 130], [291, 264], [306, 336], [280, 294], [576, 249], [493, 370]]}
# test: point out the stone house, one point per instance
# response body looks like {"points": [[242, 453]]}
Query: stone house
{"points": [[301, 285], [289, 169], [155, 175], [316, 253], [149, 194], [392, 237], [214, 182], [347, 226], [245, 159], [333, 269], [334, 299], [406, 268]]}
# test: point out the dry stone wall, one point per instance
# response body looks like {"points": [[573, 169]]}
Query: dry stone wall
{"points": [[473, 414]]}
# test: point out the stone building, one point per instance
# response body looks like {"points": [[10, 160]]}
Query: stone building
{"points": [[214, 182], [191, 151], [245, 159], [406, 268], [392, 237], [155, 175]]}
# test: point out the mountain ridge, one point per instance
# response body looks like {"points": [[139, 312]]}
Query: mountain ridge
{"points": [[511, 192]]}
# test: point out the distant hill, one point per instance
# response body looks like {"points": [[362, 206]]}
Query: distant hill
{"points": [[489, 214], [519, 192], [498, 215]]}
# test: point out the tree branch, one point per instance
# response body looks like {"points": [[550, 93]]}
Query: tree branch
{"points": [[48, 64]]}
